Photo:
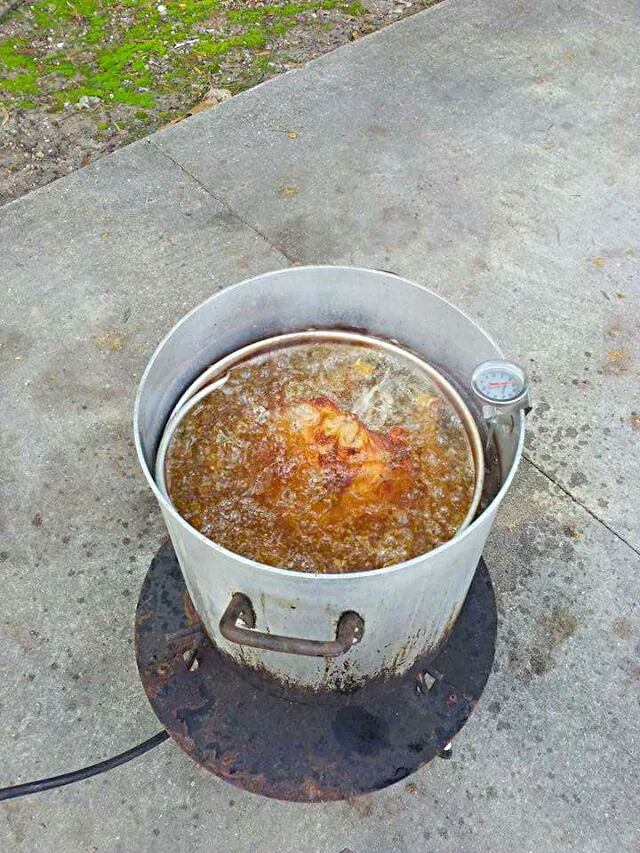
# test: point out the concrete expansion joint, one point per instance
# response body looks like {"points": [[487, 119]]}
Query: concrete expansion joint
{"points": [[221, 201]]}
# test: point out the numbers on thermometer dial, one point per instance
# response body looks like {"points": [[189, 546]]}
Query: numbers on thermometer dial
{"points": [[499, 382]]}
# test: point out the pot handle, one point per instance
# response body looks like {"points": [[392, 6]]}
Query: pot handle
{"points": [[349, 632]]}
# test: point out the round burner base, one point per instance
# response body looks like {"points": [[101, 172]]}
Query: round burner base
{"points": [[289, 744]]}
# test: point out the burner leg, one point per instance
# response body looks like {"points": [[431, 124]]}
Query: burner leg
{"points": [[190, 657], [446, 751]]}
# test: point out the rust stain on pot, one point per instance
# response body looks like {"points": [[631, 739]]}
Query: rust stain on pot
{"points": [[450, 622], [191, 613]]}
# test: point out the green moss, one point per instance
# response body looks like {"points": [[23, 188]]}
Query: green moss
{"points": [[86, 8], [97, 32], [108, 45], [245, 16], [21, 84], [55, 65], [254, 38], [13, 57], [118, 58], [43, 19], [290, 10], [189, 13], [50, 14], [133, 99]]}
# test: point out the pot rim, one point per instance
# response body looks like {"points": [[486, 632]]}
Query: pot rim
{"points": [[168, 507]]}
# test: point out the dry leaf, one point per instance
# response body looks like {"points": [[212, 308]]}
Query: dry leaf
{"points": [[86, 157], [198, 108], [212, 99], [5, 116], [217, 95], [621, 295], [615, 355]]}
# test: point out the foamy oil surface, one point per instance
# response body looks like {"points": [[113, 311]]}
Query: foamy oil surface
{"points": [[323, 457]]}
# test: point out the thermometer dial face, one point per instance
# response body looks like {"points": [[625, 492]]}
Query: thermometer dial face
{"points": [[499, 382]]}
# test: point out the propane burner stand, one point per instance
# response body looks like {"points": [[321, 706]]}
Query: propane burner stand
{"points": [[291, 744]]}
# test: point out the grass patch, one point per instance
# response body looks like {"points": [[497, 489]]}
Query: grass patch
{"points": [[129, 52], [145, 55]]}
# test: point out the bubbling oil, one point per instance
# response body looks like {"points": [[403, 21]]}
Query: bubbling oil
{"points": [[323, 457]]}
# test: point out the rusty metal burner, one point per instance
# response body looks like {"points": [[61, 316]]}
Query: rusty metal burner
{"points": [[291, 744]]}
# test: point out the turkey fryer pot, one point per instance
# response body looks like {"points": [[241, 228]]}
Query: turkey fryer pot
{"points": [[322, 632]]}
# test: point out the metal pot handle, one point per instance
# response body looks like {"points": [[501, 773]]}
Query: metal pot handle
{"points": [[350, 631]]}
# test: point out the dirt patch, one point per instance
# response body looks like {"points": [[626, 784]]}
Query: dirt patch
{"points": [[539, 655], [622, 628], [80, 78], [553, 631]]}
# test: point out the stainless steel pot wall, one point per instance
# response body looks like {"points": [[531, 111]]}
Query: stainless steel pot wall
{"points": [[320, 631]]}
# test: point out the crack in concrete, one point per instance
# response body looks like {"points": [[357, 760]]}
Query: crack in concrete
{"points": [[580, 504], [221, 201], [291, 260]]}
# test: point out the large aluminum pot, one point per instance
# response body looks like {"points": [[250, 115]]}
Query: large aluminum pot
{"points": [[321, 631]]}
